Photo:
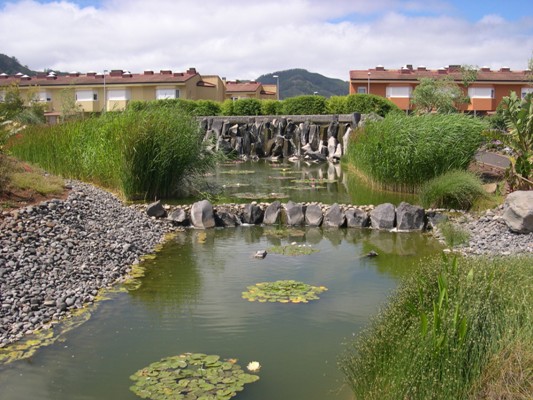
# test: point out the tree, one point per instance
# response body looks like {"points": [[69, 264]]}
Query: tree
{"points": [[439, 95], [13, 103]]}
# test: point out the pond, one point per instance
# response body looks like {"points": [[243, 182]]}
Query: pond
{"points": [[190, 300], [299, 181]]}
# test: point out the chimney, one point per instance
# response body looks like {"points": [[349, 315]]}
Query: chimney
{"points": [[3, 75], [454, 68], [421, 68], [178, 74], [165, 72], [405, 70], [505, 69], [191, 71], [485, 69], [442, 70], [116, 72], [380, 68], [91, 73], [148, 72]]}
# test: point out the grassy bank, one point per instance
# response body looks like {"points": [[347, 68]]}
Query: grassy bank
{"points": [[459, 329], [143, 154], [403, 152]]}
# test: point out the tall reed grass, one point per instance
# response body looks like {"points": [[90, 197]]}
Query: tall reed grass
{"points": [[444, 331], [402, 152], [144, 154]]}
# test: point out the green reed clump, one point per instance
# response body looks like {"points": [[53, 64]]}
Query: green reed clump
{"points": [[402, 152], [453, 189], [453, 234], [144, 154], [442, 330]]}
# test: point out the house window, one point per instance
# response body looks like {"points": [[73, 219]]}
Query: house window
{"points": [[86, 95], [361, 89], [43, 96], [399, 91], [525, 91], [162, 94], [118, 94], [480, 93]]}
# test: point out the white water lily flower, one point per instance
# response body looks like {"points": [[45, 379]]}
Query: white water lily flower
{"points": [[253, 366]]}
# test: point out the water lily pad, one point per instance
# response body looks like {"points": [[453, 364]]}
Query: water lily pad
{"points": [[293, 250], [287, 291], [191, 376]]}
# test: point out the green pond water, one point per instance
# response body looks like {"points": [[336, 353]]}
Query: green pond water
{"points": [[190, 300]]}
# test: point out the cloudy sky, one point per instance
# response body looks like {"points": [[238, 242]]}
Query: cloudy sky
{"points": [[242, 39]]}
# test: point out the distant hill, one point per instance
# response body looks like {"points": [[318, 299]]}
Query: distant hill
{"points": [[298, 82], [11, 66]]}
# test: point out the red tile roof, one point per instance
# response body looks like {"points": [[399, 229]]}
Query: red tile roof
{"points": [[242, 86], [413, 74], [91, 78]]}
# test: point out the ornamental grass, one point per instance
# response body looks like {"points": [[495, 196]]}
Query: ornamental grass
{"points": [[402, 152], [143, 154], [460, 328]]}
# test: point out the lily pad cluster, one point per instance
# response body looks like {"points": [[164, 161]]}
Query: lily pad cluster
{"points": [[191, 376], [287, 291], [293, 249]]}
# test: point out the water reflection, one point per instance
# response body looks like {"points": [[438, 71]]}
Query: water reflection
{"points": [[298, 181]]}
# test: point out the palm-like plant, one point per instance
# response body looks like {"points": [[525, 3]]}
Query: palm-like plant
{"points": [[518, 116]]}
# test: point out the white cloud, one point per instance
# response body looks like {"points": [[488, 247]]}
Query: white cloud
{"points": [[244, 39]]}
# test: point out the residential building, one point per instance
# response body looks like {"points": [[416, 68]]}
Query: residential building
{"points": [[250, 90], [485, 93], [113, 90]]}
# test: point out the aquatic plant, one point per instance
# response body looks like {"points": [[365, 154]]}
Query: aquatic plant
{"points": [[287, 291], [293, 249], [191, 376]]}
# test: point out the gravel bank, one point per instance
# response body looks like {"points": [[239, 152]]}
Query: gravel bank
{"points": [[55, 256], [489, 235]]}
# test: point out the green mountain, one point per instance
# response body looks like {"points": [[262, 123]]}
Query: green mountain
{"points": [[298, 82], [11, 66]]}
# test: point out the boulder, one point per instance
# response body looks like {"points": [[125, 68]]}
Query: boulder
{"points": [[202, 216], [357, 218], [334, 217], [156, 210], [272, 213], [518, 211], [252, 214], [410, 217], [179, 217], [383, 216], [313, 215], [295, 213], [225, 218]]}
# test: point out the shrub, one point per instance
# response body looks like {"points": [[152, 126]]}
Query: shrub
{"points": [[453, 189], [443, 331], [336, 105], [403, 152], [247, 107], [270, 107], [206, 108], [304, 105], [226, 107], [369, 103], [146, 153]]}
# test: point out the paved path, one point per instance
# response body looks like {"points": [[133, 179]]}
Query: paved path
{"points": [[492, 159]]}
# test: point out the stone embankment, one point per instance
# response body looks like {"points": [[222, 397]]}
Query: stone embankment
{"points": [[55, 256]]}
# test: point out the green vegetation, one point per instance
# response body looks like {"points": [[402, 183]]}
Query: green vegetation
{"points": [[403, 152], [518, 117], [292, 250], [453, 189], [144, 154], [440, 95], [304, 105], [191, 376], [458, 329], [453, 234], [190, 107], [283, 292], [361, 103]]}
